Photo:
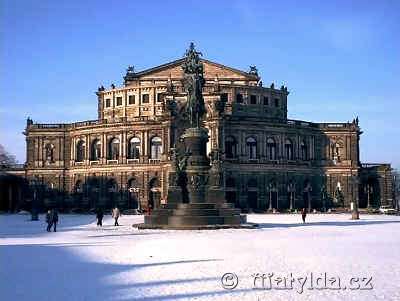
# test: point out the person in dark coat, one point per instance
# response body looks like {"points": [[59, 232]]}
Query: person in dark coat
{"points": [[303, 214], [99, 216], [54, 219], [48, 220]]}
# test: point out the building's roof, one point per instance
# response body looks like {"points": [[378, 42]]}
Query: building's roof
{"points": [[179, 62]]}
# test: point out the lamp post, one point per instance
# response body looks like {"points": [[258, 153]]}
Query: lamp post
{"points": [[323, 196], [369, 191], [354, 203], [291, 190], [270, 197], [34, 210]]}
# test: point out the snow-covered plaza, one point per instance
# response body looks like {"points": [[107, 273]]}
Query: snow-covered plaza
{"points": [[84, 262]]}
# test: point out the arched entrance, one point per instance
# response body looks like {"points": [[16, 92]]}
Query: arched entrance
{"points": [[307, 195], [273, 196], [78, 194], [230, 191], [93, 192], [111, 192], [133, 194], [252, 194]]}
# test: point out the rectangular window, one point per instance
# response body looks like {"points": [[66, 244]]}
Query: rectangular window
{"points": [[108, 103], [159, 97], [145, 98], [253, 99], [276, 102], [119, 101], [131, 99], [239, 98], [266, 101]]}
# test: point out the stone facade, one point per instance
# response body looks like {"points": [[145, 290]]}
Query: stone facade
{"points": [[268, 161]]}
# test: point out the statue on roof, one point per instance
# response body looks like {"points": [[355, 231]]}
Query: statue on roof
{"points": [[253, 70], [130, 70], [193, 83]]}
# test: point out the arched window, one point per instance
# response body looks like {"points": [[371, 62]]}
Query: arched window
{"points": [[271, 149], [113, 149], [289, 149], [303, 150], [95, 152], [80, 151], [49, 148], [251, 144], [134, 148], [156, 148], [230, 147]]}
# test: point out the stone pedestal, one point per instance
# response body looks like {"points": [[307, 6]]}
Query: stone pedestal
{"points": [[205, 206]]}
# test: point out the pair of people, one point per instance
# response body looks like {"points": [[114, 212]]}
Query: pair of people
{"points": [[52, 220], [100, 214]]}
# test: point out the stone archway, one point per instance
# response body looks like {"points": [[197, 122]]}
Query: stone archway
{"points": [[133, 194]]}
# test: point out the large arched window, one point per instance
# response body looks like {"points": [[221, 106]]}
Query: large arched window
{"points": [[113, 149], [49, 148], [156, 148], [288, 149], [271, 149], [230, 147], [134, 148], [80, 151], [95, 152], [251, 144], [303, 150]]}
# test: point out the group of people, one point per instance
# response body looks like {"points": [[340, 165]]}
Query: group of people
{"points": [[116, 213], [52, 220], [52, 217]]}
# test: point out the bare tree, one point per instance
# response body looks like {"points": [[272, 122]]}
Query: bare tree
{"points": [[6, 159]]}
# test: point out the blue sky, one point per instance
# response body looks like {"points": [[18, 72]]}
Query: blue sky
{"points": [[339, 59]]}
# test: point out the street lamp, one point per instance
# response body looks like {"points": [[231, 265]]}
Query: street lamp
{"points": [[323, 196], [354, 204], [34, 209]]}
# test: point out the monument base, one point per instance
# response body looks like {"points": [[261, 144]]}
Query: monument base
{"points": [[195, 216]]}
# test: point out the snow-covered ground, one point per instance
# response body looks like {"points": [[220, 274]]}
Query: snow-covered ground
{"points": [[83, 262]]}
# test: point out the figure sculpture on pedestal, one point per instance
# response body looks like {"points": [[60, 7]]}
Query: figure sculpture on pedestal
{"points": [[194, 82]]}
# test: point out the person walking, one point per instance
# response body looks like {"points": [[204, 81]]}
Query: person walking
{"points": [[303, 214], [116, 214], [54, 219], [48, 220], [99, 216]]}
